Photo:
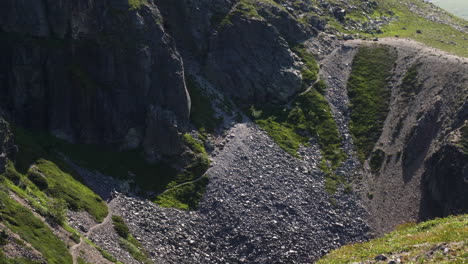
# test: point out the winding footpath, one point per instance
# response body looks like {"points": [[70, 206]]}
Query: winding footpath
{"points": [[74, 249]]}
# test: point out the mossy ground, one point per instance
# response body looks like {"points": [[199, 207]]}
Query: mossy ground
{"points": [[411, 242], [136, 4], [61, 182], [433, 34], [369, 95], [186, 196], [310, 116], [31, 229], [128, 242]]}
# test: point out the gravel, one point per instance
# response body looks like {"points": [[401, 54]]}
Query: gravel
{"points": [[261, 206]]}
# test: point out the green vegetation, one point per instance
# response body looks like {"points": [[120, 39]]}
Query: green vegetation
{"points": [[320, 86], [310, 116], [104, 253], [185, 196], [120, 227], [42, 151], [136, 4], [128, 242], [333, 181], [20, 220], [310, 69], [464, 139], [82, 261], [45, 180], [433, 34], [369, 95], [105, 159], [412, 242], [195, 145], [410, 84], [202, 114], [244, 8], [5, 260]]}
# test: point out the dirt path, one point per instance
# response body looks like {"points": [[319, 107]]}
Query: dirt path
{"points": [[74, 249]]}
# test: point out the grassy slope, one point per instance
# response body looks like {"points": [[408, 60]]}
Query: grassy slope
{"points": [[62, 183], [433, 34], [31, 229], [411, 243], [128, 242], [369, 95], [186, 196]]}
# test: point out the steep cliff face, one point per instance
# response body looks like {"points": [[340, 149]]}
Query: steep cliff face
{"points": [[334, 115], [7, 147], [92, 71], [445, 180]]}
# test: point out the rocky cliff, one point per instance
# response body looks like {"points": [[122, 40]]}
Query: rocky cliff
{"points": [[214, 131], [93, 72]]}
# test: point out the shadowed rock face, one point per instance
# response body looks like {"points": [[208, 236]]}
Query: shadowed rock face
{"points": [[93, 71], [7, 147], [90, 71], [251, 61], [445, 182]]}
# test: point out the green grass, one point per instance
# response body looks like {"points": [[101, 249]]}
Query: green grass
{"points": [[244, 8], [412, 239], [5, 260], [105, 159], [433, 34], [310, 116], [77, 196], [369, 95], [150, 177], [185, 197], [128, 242], [36, 162], [120, 227], [82, 261], [310, 69], [134, 248], [103, 253], [202, 114], [31, 229], [194, 144], [136, 4], [410, 85]]}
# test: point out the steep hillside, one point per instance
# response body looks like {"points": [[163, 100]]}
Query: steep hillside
{"points": [[436, 241], [226, 131]]}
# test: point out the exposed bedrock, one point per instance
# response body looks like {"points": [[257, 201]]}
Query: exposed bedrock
{"points": [[91, 71]]}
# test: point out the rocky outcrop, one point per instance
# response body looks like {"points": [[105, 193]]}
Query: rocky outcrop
{"points": [[251, 61], [91, 71], [7, 147], [192, 22], [445, 180]]}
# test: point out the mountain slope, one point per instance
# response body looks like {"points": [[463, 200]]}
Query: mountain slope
{"points": [[278, 130], [437, 241]]}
